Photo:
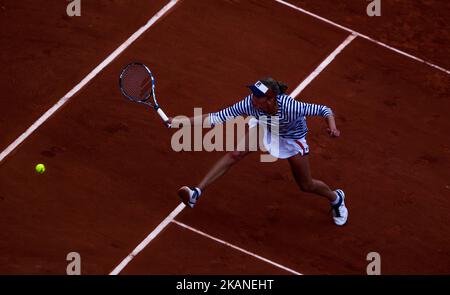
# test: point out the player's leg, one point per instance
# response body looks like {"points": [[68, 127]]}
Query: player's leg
{"points": [[189, 195], [302, 174], [220, 167]]}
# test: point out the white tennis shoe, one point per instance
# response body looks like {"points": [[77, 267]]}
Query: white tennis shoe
{"points": [[340, 212], [189, 196]]}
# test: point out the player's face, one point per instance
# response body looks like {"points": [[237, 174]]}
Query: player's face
{"points": [[259, 102], [264, 103]]}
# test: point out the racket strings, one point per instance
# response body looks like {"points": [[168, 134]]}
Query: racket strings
{"points": [[137, 83]]}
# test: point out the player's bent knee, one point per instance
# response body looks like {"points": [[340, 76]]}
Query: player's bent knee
{"points": [[307, 186]]}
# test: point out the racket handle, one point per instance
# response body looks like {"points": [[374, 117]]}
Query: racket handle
{"points": [[164, 117]]}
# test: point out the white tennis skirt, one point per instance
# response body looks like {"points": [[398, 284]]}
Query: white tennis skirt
{"points": [[280, 147]]}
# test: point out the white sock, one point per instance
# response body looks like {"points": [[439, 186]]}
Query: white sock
{"points": [[199, 191]]}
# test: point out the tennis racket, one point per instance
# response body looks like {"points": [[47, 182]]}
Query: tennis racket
{"points": [[137, 83]]}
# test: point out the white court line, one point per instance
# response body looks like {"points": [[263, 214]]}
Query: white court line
{"points": [[180, 207], [83, 82], [362, 36], [236, 248], [322, 66], [148, 239]]}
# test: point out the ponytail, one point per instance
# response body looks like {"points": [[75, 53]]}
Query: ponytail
{"points": [[282, 86]]}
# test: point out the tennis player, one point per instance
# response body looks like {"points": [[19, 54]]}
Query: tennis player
{"points": [[268, 100]]}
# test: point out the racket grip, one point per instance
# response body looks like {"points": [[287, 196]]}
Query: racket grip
{"points": [[164, 117]]}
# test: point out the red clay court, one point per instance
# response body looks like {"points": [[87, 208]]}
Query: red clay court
{"points": [[109, 192]]}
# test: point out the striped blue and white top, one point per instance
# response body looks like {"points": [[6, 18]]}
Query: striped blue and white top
{"points": [[290, 117]]}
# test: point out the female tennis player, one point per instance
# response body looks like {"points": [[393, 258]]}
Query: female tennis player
{"points": [[268, 100]]}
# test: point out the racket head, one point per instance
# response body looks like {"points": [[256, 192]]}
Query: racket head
{"points": [[137, 83]]}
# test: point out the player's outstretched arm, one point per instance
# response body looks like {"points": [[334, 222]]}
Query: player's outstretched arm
{"points": [[180, 120]]}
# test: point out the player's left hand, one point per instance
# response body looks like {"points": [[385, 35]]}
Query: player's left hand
{"points": [[333, 132]]}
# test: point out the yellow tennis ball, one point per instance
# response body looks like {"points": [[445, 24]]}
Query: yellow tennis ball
{"points": [[40, 168]]}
